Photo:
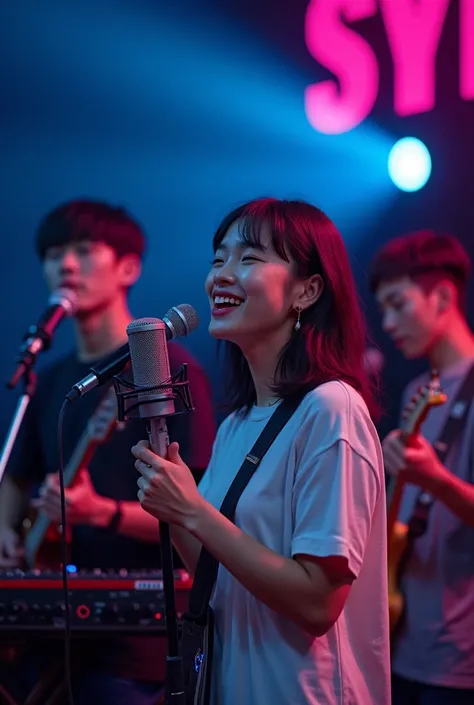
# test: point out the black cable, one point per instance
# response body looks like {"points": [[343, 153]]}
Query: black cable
{"points": [[67, 613]]}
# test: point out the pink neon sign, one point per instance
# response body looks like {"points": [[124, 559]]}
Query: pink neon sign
{"points": [[413, 30]]}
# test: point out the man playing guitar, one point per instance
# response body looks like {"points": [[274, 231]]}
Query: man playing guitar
{"points": [[420, 281], [97, 250]]}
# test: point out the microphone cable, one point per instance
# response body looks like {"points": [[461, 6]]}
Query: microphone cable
{"points": [[67, 613]]}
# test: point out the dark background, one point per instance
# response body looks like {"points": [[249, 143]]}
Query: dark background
{"points": [[181, 110]]}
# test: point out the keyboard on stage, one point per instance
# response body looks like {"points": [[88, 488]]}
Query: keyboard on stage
{"points": [[100, 601]]}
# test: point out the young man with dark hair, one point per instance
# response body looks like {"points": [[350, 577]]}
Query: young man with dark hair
{"points": [[96, 250], [420, 282]]}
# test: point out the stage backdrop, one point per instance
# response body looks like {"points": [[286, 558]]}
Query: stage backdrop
{"points": [[180, 111]]}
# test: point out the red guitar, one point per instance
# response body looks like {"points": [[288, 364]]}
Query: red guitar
{"points": [[42, 536]]}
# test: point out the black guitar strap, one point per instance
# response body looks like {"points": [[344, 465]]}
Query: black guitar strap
{"points": [[207, 566], [455, 422]]}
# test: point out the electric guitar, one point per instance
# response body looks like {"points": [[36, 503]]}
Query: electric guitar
{"points": [[399, 541], [41, 536]]}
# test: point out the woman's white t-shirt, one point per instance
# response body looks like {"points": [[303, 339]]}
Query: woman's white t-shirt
{"points": [[319, 491]]}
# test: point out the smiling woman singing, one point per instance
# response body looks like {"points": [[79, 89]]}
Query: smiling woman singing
{"points": [[300, 601]]}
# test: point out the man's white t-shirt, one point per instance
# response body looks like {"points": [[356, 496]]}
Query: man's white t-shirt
{"points": [[319, 491]]}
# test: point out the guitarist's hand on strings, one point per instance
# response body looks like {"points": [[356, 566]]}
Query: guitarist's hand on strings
{"points": [[416, 463], [83, 504], [11, 552]]}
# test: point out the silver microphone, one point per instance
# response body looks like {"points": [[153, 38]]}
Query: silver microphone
{"points": [[151, 368]]}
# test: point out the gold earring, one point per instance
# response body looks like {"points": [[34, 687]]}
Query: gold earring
{"points": [[298, 320]]}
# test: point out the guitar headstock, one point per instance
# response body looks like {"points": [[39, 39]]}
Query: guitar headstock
{"points": [[416, 410], [104, 419]]}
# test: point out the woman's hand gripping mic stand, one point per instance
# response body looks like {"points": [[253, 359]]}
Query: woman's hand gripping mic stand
{"points": [[152, 396]]}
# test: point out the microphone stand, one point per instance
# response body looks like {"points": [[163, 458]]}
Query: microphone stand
{"points": [[29, 378], [159, 441], [174, 680]]}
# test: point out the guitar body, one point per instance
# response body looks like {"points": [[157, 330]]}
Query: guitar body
{"points": [[42, 537], [398, 540]]}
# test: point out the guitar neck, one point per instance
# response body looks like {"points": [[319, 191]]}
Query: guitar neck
{"points": [[395, 493]]}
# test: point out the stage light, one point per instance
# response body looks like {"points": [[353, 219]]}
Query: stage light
{"points": [[409, 164]]}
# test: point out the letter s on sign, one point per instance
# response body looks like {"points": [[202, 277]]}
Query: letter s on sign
{"points": [[349, 57]]}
